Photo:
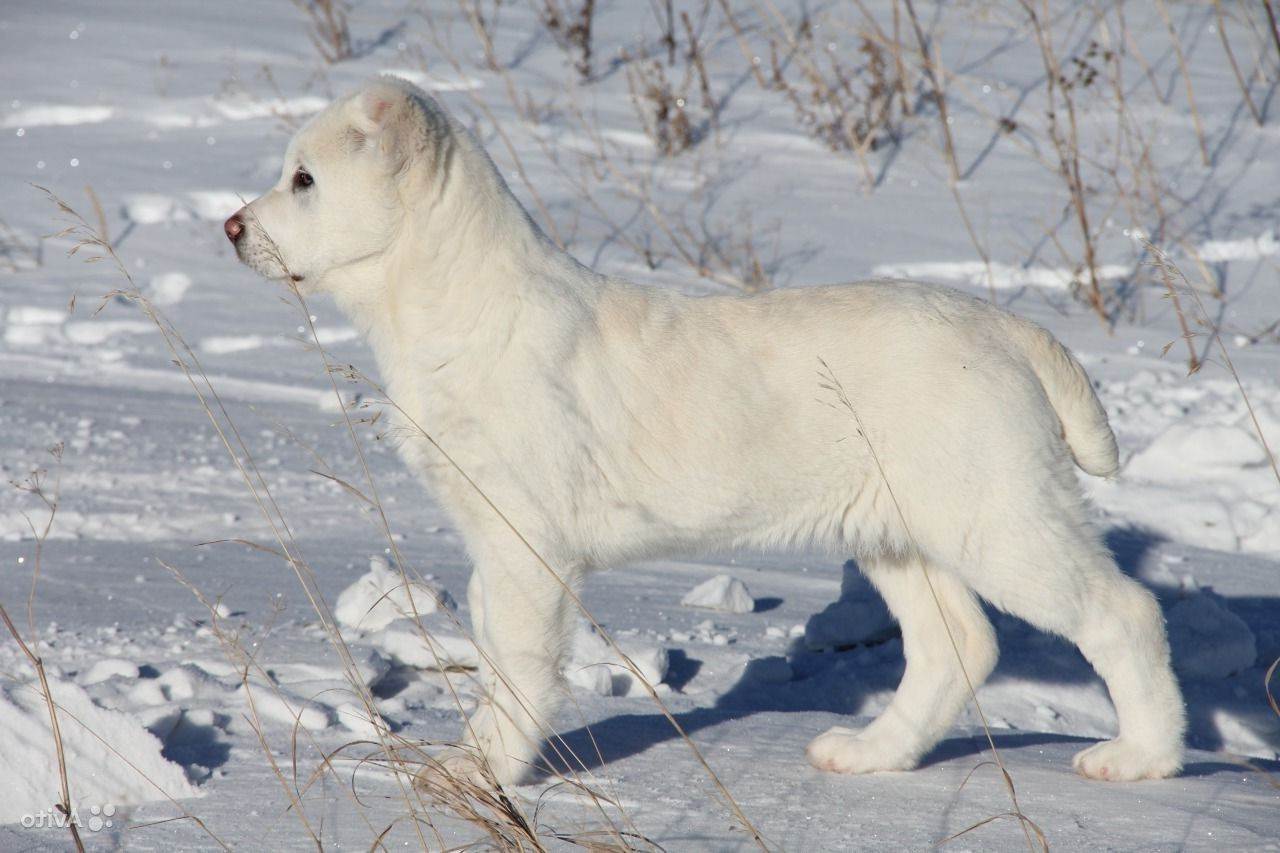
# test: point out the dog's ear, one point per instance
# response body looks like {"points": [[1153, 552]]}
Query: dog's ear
{"points": [[386, 118]]}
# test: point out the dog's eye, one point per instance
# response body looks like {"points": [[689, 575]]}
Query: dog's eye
{"points": [[302, 179]]}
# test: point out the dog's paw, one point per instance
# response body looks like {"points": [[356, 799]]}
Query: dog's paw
{"points": [[1121, 761], [453, 770], [462, 768], [842, 750]]}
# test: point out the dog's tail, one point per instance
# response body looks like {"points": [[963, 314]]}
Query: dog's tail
{"points": [[1084, 421]]}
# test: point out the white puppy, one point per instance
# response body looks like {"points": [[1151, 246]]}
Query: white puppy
{"points": [[611, 422]]}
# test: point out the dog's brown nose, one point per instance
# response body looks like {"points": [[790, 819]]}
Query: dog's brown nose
{"points": [[234, 226]]}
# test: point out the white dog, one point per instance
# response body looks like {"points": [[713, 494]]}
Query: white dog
{"points": [[611, 422]]}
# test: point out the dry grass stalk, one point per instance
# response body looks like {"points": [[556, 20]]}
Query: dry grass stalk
{"points": [[481, 27], [753, 61], [1066, 142], [548, 222], [665, 104], [724, 254], [1177, 281], [830, 382], [34, 484], [572, 30], [229, 436], [848, 108], [660, 106], [391, 748], [1235, 67], [329, 30], [1272, 26], [16, 251], [931, 61], [98, 212], [1193, 360], [1186, 79], [1266, 682]]}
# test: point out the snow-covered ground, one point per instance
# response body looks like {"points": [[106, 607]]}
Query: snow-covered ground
{"points": [[172, 112]]}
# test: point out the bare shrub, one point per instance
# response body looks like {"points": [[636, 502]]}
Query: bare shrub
{"points": [[572, 30], [680, 227], [848, 96], [1060, 94], [660, 107], [846, 107], [665, 102], [329, 31], [1220, 18], [18, 252]]}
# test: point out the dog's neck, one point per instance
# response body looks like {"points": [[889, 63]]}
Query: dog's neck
{"points": [[467, 270]]}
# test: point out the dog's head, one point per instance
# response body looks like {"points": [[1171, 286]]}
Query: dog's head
{"points": [[350, 176]]}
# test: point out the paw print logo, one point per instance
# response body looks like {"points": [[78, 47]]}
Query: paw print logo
{"points": [[100, 817]]}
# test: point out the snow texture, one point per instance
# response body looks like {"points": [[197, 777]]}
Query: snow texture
{"points": [[174, 118], [722, 592], [93, 738], [855, 618], [381, 596]]}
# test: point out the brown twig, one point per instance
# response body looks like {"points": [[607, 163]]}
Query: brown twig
{"points": [[63, 805]]}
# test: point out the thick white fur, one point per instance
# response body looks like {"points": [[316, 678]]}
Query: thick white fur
{"points": [[612, 422]]}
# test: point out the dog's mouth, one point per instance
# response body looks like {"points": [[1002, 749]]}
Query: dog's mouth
{"points": [[267, 263]]}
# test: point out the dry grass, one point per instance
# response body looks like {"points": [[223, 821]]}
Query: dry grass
{"points": [[663, 90], [503, 821], [34, 485], [18, 252], [571, 29], [1060, 94], [855, 99], [848, 97], [731, 251], [1195, 322], [328, 28]]}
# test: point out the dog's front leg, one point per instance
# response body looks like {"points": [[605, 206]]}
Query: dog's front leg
{"points": [[522, 617]]}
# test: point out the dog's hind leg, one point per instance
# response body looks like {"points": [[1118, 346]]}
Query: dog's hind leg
{"points": [[1053, 572], [933, 689]]}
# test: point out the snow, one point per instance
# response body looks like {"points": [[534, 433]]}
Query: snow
{"points": [[168, 288], [597, 668], [284, 707], [174, 119], [92, 739], [1193, 466], [427, 650], [1001, 276], [57, 115], [109, 668], [855, 618], [382, 596], [1208, 640], [722, 592], [1246, 249]]}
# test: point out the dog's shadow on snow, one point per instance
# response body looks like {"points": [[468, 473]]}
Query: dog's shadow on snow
{"points": [[840, 682]]}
